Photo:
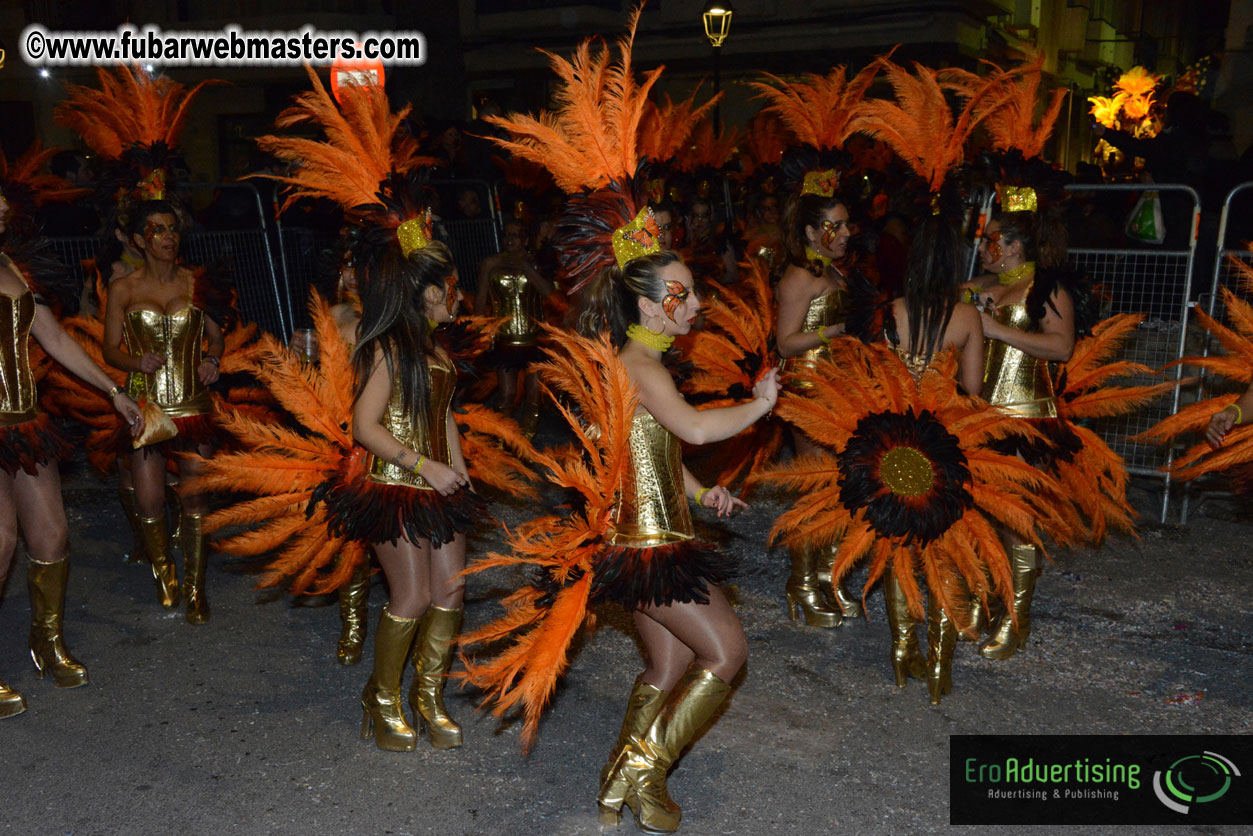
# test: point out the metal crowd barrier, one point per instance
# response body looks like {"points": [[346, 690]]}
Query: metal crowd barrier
{"points": [[1226, 274], [1155, 281], [470, 239]]}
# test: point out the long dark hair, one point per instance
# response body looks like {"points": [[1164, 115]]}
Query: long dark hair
{"points": [[610, 303], [393, 321], [1042, 233], [931, 280], [804, 210]]}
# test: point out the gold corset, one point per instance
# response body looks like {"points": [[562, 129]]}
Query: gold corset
{"points": [[513, 295], [429, 437], [17, 398], [916, 365], [1013, 379], [828, 309], [652, 504], [175, 386]]}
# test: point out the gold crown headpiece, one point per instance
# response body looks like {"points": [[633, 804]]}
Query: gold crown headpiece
{"points": [[821, 183], [415, 233], [1017, 198], [640, 237]]}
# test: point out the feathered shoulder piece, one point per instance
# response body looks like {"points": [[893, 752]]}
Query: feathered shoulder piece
{"points": [[666, 125], [1012, 124], [130, 109], [817, 109], [593, 392], [592, 139], [919, 125]]}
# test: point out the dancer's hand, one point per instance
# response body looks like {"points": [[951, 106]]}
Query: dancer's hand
{"points": [[722, 500], [441, 477], [208, 372], [1219, 426], [150, 362], [129, 410], [768, 387]]}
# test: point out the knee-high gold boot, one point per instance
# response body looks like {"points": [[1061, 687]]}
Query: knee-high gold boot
{"points": [[157, 545], [46, 582], [130, 506], [978, 620], [846, 603], [432, 656], [638, 777], [175, 503], [194, 565], [907, 659], [941, 641], [354, 611], [11, 702], [381, 701], [642, 709], [803, 595], [1006, 640]]}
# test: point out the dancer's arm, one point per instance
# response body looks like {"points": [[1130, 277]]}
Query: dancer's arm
{"points": [[695, 426], [65, 350], [1054, 341]]}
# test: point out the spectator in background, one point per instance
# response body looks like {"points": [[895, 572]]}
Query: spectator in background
{"points": [[74, 218]]}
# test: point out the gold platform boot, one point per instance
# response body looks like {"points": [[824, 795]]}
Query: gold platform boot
{"points": [[354, 611], [642, 709], [157, 545], [847, 604], [528, 419], [803, 594], [941, 641], [46, 582], [907, 658], [11, 702], [1006, 640], [978, 620], [432, 657], [381, 702], [130, 506], [194, 565], [638, 777], [175, 503]]}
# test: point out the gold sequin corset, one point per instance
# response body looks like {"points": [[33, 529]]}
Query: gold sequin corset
{"points": [[652, 504], [1013, 379], [175, 386], [429, 437], [17, 313], [916, 365], [828, 309], [514, 296]]}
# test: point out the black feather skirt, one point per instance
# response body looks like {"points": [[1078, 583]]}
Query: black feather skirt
{"points": [[32, 443], [674, 573]]}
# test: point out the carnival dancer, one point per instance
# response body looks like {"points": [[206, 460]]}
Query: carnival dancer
{"points": [[30, 484], [633, 540]]}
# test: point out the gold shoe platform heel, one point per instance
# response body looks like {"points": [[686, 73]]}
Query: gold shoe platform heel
{"points": [[643, 706], [381, 702], [432, 656], [907, 658], [194, 566], [1006, 640], [803, 594], [157, 545], [11, 702]]}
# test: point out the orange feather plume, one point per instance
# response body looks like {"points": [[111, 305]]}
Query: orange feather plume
{"points": [[1012, 124], [495, 447], [364, 143], [707, 148], [593, 136], [764, 141], [26, 174], [818, 110], [919, 125], [593, 392], [666, 126], [130, 108]]}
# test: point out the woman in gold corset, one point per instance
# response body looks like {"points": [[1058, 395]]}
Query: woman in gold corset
{"points": [[30, 484], [919, 325], [511, 286], [1029, 321], [813, 299], [415, 503], [156, 329], [654, 567]]}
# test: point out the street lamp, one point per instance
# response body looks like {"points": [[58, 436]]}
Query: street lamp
{"points": [[717, 18]]}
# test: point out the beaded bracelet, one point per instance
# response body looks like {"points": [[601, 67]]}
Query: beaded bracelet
{"points": [[1239, 412], [700, 494]]}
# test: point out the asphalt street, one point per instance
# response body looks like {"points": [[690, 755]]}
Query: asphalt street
{"points": [[247, 725]]}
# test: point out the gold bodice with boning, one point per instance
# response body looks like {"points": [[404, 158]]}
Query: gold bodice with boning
{"points": [[175, 386], [652, 503], [1012, 379], [428, 437], [830, 308], [513, 295], [916, 364], [17, 314]]}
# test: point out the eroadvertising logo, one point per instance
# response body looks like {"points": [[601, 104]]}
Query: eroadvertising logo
{"points": [[1099, 779]]}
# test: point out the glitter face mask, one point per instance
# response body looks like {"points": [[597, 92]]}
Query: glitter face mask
{"points": [[676, 294]]}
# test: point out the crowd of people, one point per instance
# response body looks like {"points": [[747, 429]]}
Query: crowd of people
{"points": [[935, 425]]}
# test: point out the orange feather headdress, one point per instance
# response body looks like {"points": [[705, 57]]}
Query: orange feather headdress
{"points": [[818, 110], [591, 145]]}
